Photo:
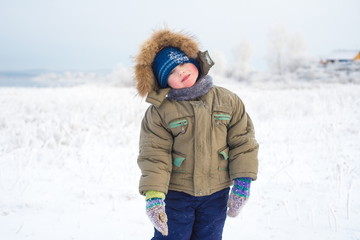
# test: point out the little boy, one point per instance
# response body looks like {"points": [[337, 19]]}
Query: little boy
{"points": [[196, 141]]}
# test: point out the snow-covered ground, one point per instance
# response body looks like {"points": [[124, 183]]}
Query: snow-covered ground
{"points": [[68, 163]]}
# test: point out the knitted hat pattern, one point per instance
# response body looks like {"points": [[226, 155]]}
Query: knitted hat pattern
{"points": [[145, 78]]}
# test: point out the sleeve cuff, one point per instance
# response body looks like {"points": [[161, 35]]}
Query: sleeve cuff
{"points": [[154, 194]]}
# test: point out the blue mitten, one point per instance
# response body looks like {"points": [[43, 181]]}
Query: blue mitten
{"points": [[239, 195]]}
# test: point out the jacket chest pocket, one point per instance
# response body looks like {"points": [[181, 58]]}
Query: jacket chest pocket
{"points": [[178, 126], [221, 118], [221, 115]]}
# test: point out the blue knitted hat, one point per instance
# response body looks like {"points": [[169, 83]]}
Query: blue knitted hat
{"points": [[166, 60]]}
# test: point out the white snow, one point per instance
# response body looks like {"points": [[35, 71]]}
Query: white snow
{"points": [[68, 163]]}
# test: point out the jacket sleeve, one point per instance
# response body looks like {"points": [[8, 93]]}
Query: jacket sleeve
{"points": [[243, 147], [154, 157]]}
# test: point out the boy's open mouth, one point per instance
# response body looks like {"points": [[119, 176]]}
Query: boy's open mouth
{"points": [[185, 78]]}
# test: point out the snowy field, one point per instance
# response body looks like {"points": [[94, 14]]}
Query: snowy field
{"points": [[68, 163]]}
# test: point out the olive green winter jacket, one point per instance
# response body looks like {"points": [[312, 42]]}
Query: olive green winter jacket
{"points": [[196, 147]]}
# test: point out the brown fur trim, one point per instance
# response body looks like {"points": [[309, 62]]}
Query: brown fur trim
{"points": [[144, 76]]}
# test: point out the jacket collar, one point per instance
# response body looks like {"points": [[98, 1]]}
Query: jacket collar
{"points": [[200, 88], [157, 97]]}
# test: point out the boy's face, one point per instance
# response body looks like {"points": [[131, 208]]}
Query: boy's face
{"points": [[183, 76]]}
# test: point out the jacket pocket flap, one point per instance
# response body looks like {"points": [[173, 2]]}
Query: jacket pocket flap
{"points": [[221, 116], [178, 126], [178, 159], [224, 152], [222, 113], [178, 123]]}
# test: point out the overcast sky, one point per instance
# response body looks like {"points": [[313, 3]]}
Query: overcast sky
{"points": [[99, 34]]}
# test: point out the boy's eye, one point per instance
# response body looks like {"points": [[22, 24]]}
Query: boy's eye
{"points": [[181, 64]]}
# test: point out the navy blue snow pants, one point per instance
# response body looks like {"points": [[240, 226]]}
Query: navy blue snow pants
{"points": [[195, 218]]}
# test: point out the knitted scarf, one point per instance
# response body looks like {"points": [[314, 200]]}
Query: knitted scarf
{"points": [[201, 87]]}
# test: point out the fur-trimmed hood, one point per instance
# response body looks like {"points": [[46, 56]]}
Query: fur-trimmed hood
{"points": [[144, 76]]}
